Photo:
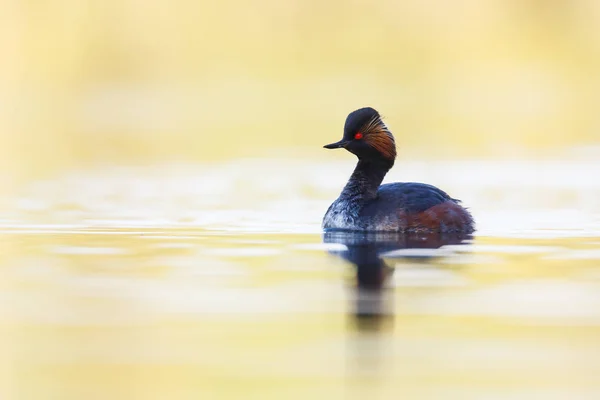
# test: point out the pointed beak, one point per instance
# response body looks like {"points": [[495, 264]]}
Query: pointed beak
{"points": [[336, 145]]}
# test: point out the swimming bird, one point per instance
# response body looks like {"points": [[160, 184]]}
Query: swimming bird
{"points": [[367, 205]]}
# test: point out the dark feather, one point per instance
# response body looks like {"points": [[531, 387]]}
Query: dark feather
{"points": [[411, 197]]}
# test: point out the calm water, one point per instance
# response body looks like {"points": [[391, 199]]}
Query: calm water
{"points": [[215, 281]]}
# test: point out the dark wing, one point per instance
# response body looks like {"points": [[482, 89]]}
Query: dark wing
{"points": [[411, 197], [416, 207]]}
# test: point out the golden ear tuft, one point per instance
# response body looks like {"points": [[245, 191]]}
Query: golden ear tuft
{"points": [[378, 136]]}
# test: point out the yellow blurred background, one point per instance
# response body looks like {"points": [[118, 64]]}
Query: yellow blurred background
{"points": [[130, 283], [128, 81]]}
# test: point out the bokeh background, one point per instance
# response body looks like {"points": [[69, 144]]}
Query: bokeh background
{"points": [[136, 81], [162, 183]]}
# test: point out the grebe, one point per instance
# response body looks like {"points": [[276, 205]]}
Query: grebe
{"points": [[366, 205]]}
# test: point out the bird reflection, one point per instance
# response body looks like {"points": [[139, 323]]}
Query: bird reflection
{"points": [[372, 300]]}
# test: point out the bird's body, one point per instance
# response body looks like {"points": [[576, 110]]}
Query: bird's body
{"points": [[401, 207], [366, 205]]}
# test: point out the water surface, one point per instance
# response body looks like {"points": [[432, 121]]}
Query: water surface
{"points": [[215, 281]]}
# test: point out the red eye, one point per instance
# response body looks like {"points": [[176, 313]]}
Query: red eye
{"points": [[358, 136]]}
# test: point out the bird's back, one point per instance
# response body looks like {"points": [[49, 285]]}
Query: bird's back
{"points": [[412, 197], [413, 207]]}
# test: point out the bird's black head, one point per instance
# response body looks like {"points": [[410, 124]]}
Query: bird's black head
{"points": [[366, 136]]}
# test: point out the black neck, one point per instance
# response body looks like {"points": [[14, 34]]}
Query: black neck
{"points": [[365, 179]]}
